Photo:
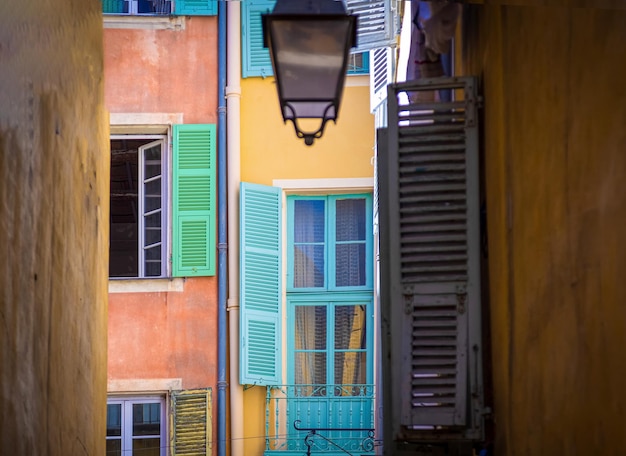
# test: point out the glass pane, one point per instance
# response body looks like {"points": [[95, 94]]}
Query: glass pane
{"points": [[308, 266], [350, 265], [350, 328], [147, 447], [350, 369], [153, 229], [350, 219], [114, 447], [114, 420], [147, 419], [310, 368], [310, 328], [308, 221], [152, 195]]}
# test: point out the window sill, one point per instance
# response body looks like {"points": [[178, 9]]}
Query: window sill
{"points": [[144, 22], [175, 285]]}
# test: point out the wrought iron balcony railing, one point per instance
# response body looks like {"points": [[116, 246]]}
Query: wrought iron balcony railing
{"points": [[320, 419]]}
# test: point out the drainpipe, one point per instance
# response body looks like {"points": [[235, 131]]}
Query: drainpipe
{"points": [[233, 102], [221, 231]]}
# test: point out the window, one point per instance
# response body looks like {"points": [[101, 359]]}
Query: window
{"points": [[136, 426], [138, 245], [146, 241], [256, 58], [160, 7]]}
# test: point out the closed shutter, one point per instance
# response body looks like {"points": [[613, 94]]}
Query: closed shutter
{"points": [[195, 7], [190, 422], [194, 221], [256, 58], [430, 266], [261, 284], [381, 74], [375, 23]]}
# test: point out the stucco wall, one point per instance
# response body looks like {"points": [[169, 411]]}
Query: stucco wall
{"points": [[555, 167], [53, 229]]}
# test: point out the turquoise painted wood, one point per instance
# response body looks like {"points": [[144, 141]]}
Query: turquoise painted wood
{"points": [[255, 58], [261, 284], [193, 200], [195, 7]]}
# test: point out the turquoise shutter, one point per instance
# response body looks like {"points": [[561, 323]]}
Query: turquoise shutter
{"points": [[193, 198], [261, 284], [195, 7], [190, 425], [255, 58]]}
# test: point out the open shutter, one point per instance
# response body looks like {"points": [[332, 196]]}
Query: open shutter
{"points": [[190, 422], [374, 25], [256, 58], [195, 7], [381, 74], [430, 262], [194, 222], [261, 284]]}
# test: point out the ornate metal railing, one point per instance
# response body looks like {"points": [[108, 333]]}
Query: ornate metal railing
{"points": [[317, 419]]}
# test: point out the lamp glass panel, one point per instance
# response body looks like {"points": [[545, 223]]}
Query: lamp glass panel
{"points": [[309, 55]]}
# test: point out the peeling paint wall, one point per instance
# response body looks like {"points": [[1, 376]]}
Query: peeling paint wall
{"points": [[555, 167], [53, 229]]}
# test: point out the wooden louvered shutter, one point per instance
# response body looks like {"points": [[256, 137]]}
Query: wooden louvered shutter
{"points": [[194, 223], [196, 7], [374, 25], [190, 422], [381, 74], [255, 58], [430, 254], [261, 284]]}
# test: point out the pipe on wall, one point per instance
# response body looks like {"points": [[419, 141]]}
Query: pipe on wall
{"points": [[233, 103], [222, 215]]}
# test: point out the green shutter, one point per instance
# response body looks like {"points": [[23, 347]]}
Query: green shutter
{"points": [[256, 58], [195, 7], [194, 222], [430, 258], [261, 284], [190, 422]]}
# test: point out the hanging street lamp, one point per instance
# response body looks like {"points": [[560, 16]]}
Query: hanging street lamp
{"points": [[310, 42]]}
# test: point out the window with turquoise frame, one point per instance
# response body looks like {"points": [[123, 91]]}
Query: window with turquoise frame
{"points": [[329, 242]]}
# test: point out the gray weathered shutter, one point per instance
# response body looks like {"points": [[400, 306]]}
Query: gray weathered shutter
{"points": [[381, 74], [375, 23], [430, 255]]}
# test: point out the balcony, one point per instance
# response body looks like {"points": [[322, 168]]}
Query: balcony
{"points": [[320, 419]]}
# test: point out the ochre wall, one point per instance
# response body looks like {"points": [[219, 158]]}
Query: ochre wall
{"points": [[163, 71], [270, 150], [54, 212], [555, 168]]}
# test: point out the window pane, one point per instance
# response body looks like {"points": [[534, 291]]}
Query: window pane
{"points": [[350, 327], [114, 420], [310, 368], [310, 330], [114, 447], [147, 419], [350, 370], [350, 265], [350, 219], [308, 266], [308, 221], [147, 447]]}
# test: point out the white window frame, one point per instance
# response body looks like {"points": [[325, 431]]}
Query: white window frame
{"points": [[127, 420], [166, 178]]}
